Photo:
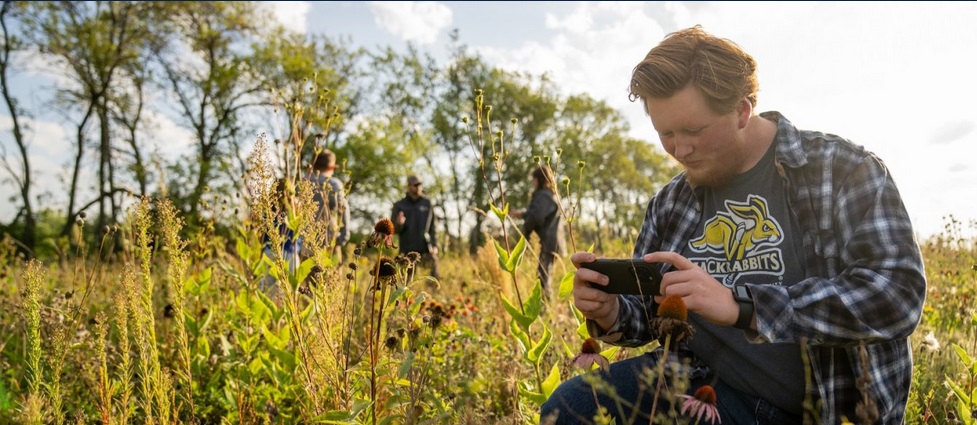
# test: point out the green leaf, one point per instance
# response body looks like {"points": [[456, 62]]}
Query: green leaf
{"points": [[961, 394], [551, 381], [521, 335], [503, 257], [516, 314], [610, 352], [566, 284], [333, 417], [534, 304], [537, 352], [304, 269], [395, 295], [533, 396], [582, 331], [515, 258], [406, 365], [501, 214], [577, 314], [968, 362], [203, 348]]}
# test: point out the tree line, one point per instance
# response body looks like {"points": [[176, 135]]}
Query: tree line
{"points": [[223, 70]]}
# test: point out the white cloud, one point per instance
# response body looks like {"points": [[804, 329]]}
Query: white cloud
{"points": [[593, 49], [419, 22], [291, 14]]}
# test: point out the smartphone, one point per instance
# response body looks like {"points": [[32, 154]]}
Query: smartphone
{"points": [[627, 276]]}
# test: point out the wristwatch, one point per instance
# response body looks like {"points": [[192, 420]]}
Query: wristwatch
{"points": [[744, 298]]}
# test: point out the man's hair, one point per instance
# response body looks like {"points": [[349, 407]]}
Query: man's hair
{"points": [[722, 70], [324, 160], [544, 175]]}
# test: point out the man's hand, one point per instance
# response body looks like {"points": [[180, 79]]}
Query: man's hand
{"points": [[593, 303], [400, 218], [701, 292]]}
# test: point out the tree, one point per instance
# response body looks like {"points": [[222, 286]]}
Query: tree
{"points": [[94, 42], [206, 67], [620, 173], [21, 174]]}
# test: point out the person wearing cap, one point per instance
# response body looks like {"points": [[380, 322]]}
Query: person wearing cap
{"points": [[416, 225]]}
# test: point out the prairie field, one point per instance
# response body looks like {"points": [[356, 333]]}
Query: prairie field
{"points": [[206, 329]]}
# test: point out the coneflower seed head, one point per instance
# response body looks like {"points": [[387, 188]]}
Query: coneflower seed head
{"points": [[590, 346], [384, 226], [673, 307], [706, 394]]}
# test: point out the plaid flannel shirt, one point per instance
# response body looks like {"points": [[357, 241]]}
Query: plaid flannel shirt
{"points": [[865, 280]]}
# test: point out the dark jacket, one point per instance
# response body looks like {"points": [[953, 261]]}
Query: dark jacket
{"points": [[418, 231], [542, 216]]}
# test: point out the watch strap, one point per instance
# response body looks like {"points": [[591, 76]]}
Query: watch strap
{"points": [[744, 298]]}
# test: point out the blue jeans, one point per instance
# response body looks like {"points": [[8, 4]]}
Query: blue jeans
{"points": [[573, 402]]}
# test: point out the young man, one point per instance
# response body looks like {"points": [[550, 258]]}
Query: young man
{"points": [[330, 196], [772, 236], [543, 217], [414, 221]]}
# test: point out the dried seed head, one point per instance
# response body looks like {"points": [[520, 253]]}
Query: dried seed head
{"points": [[590, 346], [384, 226], [673, 307]]}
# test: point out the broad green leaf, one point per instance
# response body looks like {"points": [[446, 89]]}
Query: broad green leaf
{"points": [[203, 348], [243, 249], [577, 314], [566, 284], [534, 304], [333, 417], [406, 365], [964, 357], [520, 335], [537, 352], [516, 314], [961, 394], [582, 331], [503, 256], [610, 352], [395, 295], [551, 381], [304, 269], [533, 396], [515, 258]]}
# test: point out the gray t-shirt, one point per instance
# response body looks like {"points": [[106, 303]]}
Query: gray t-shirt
{"points": [[748, 234]]}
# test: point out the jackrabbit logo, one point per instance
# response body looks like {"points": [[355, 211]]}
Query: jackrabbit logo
{"points": [[746, 236]]}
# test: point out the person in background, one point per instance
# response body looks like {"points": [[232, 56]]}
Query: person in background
{"points": [[291, 242], [791, 249], [415, 225], [330, 197], [543, 217]]}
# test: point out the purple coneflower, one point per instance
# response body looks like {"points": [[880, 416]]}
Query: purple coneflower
{"points": [[671, 320], [702, 405], [590, 354]]}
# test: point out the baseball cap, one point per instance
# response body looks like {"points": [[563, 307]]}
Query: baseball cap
{"points": [[413, 180]]}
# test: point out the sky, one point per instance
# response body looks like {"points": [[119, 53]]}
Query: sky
{"points": [[895, 77]]}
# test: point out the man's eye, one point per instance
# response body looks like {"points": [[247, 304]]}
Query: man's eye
{"points": [[694, 131]]}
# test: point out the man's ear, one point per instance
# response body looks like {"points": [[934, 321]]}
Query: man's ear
{"points": [[743, 112]]}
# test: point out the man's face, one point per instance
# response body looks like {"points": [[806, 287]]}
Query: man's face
{"points": [[709, 146], [414, 189]]}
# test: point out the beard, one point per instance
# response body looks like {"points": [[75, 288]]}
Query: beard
{"points": [[716, 174]]}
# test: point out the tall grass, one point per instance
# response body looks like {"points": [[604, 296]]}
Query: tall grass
{"points": [[179, 329]]}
